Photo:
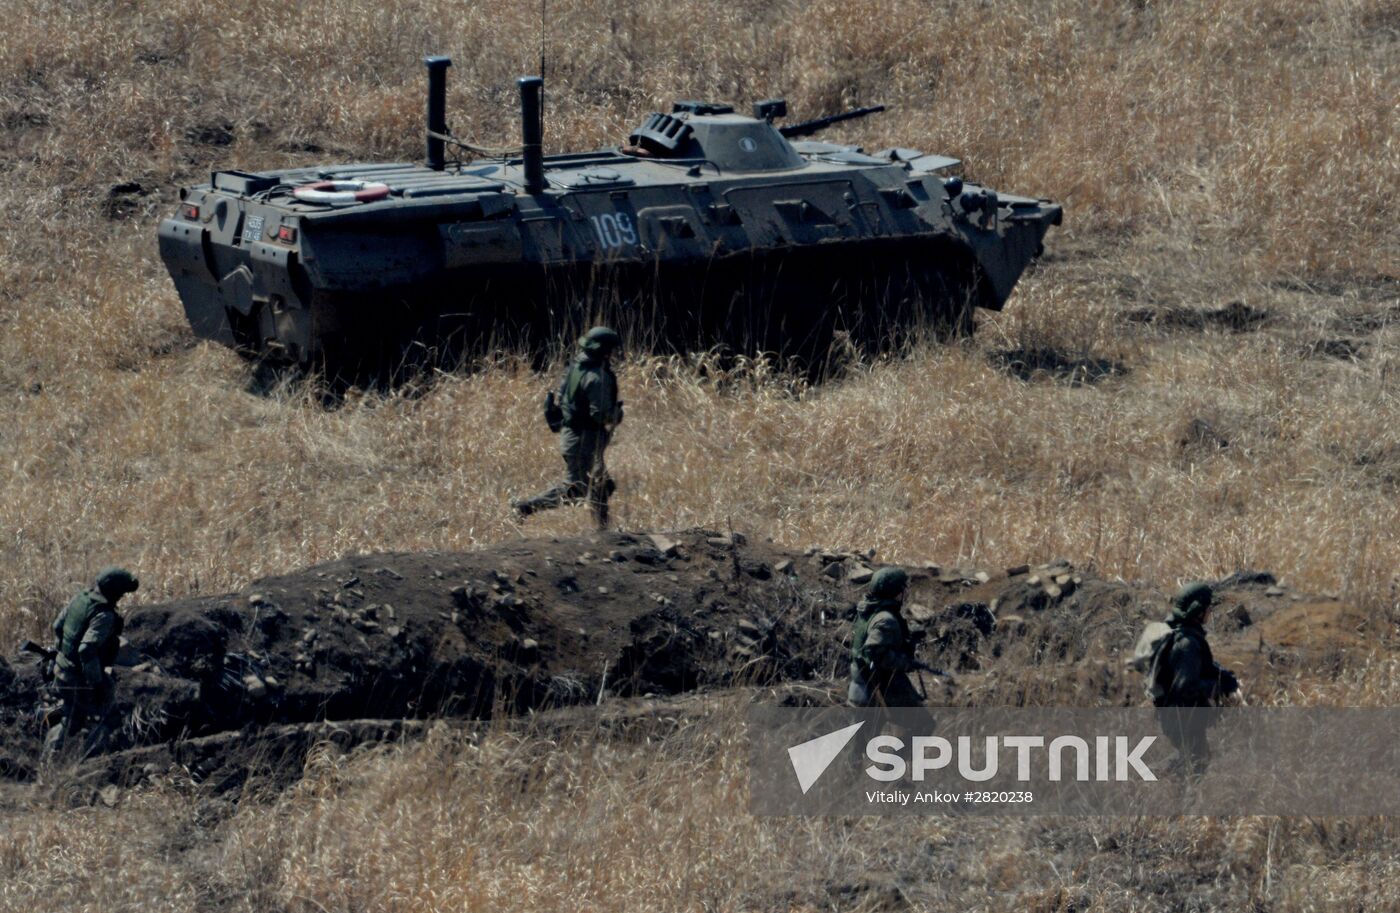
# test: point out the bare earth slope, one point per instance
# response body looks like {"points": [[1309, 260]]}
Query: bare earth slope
{"points": [[550, 623]]}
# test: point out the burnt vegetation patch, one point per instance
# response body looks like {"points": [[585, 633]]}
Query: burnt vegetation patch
{"points": [[1200, 437], [1044, 362], [1235, 317], [1338, 349]]}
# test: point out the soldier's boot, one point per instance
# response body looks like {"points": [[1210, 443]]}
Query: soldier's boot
{"points": [[95, 743], [563, 493]]}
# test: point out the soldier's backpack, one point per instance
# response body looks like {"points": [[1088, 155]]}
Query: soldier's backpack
{"points": [[553, 413], [1150, 657]]}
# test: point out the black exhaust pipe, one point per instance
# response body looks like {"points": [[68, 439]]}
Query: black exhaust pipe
{"points": [[437, 109], [532, 132]]}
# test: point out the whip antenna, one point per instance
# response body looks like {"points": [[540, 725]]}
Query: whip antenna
{"points": [[543, 24]]}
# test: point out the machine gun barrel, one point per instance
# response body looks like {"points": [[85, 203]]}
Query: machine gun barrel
{"points": [[808, 127]]}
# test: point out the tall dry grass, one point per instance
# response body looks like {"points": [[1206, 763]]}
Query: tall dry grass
{"points": [[533, 819], [1207, 152]]}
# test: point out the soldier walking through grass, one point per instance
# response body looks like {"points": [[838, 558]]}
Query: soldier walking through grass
{"points": [[585, 412], [1188, 680], [86, 636], [882, 647]]}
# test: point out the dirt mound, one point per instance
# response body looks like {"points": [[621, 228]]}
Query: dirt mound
{"points": [[559, 623]]}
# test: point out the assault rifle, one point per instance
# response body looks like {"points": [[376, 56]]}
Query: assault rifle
{"points": [[46, 657]]}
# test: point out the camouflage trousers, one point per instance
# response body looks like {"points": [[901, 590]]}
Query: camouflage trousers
{"points": [[1185, 728], [84, 710], [586, 476], [894, 691]]}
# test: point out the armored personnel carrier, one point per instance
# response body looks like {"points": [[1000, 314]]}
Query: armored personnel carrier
{"points": [[703, 228]]}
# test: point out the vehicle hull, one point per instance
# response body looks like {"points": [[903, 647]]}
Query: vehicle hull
{"points": [[461, 263]]}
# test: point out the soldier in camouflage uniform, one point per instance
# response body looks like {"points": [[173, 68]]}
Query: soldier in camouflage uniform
{"points": [[882, 650], [87, 634], [588, 411], [1191, 680]]}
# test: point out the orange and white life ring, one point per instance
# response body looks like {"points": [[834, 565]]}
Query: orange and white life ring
{"points": [[341, 193]]}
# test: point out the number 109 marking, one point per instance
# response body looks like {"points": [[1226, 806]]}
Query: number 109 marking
{"points": [[615, 229]]}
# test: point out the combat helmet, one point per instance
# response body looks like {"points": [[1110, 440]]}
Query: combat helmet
{"points": [[600, 342], [116, 582], [1191, 601], [888, 583]]}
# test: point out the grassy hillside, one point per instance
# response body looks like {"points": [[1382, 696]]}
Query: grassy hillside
{"points": [[1201, 376]]}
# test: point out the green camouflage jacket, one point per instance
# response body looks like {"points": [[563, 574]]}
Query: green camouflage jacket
{"points": [[880, 641], [86, 635], [588, 395], [1193, 677]]}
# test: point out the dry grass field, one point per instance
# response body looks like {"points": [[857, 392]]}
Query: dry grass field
{"points": [[1202, 375]]}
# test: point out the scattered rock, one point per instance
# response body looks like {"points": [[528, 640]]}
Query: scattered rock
{"points": [[915, 611], [1017, 570], [860, 574], [1013, 624], [1240, 616], [255, 687], [832, 570], [665, 546], [759, 570], [784, 566]]}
